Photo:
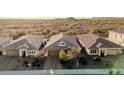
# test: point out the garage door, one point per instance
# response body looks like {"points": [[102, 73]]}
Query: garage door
{"points": [[53, 52], [112, 51]]}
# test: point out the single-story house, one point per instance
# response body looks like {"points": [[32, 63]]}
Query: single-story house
{"points": [[60, 42], [117, 36], [96, 45], [24, 46], [4, 41]]}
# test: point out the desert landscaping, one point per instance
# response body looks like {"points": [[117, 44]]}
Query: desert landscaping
{"points": [[70, 43]]}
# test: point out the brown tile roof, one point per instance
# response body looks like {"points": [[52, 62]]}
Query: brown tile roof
{"points": [[33, 41], [92, 41], [54, 40]]}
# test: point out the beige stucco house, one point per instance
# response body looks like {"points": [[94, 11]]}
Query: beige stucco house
{"points": [[24, 46], [60, 42], [96, 45], [117, 36]]}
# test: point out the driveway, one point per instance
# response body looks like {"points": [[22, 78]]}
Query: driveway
{"points": [[52, 62]]}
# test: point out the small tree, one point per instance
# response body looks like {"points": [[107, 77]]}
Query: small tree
{"points": [[70, 55], [40, 53], [63, 55], [73, 53], [39, 56]]}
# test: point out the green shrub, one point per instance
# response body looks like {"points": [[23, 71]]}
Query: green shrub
{"points": [[111, 72], [67, 64], [83, 60], [38, 64], [118, 72], [97, 59], [34, 63]]}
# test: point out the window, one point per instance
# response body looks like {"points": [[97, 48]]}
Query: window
{"points": [[32, 52], [93, 51]]}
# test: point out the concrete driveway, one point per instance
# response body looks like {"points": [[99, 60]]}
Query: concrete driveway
{"points": [[52, 62]]}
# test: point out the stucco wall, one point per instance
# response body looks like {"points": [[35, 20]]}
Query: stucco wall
{"points": [[109, 51], [118, 40], [113, 51]]}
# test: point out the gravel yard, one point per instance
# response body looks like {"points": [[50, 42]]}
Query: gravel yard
{"points": [[15, 63]]}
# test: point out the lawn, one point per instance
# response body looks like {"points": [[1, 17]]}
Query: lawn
{"points": [[119, 64]]}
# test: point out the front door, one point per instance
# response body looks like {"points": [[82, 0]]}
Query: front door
{"points": [[102, 53], [23, 53]]}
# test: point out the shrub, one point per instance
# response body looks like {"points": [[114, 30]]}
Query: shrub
{"points": [[38, 64], [62, 61], [111, 72], [83, 60], [34, 63], [63, 56], [67, 64], [25, 63], [67, 57], [97, 59], [118, 72]]}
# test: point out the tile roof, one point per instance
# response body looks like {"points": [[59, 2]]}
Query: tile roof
{"points": [[33, 41], [56, 39], [92, 41]]}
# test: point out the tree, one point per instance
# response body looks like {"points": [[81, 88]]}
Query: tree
{"points": [[40, 53], [39, 58], [70, 55], [63, 55], [73, 53]]}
